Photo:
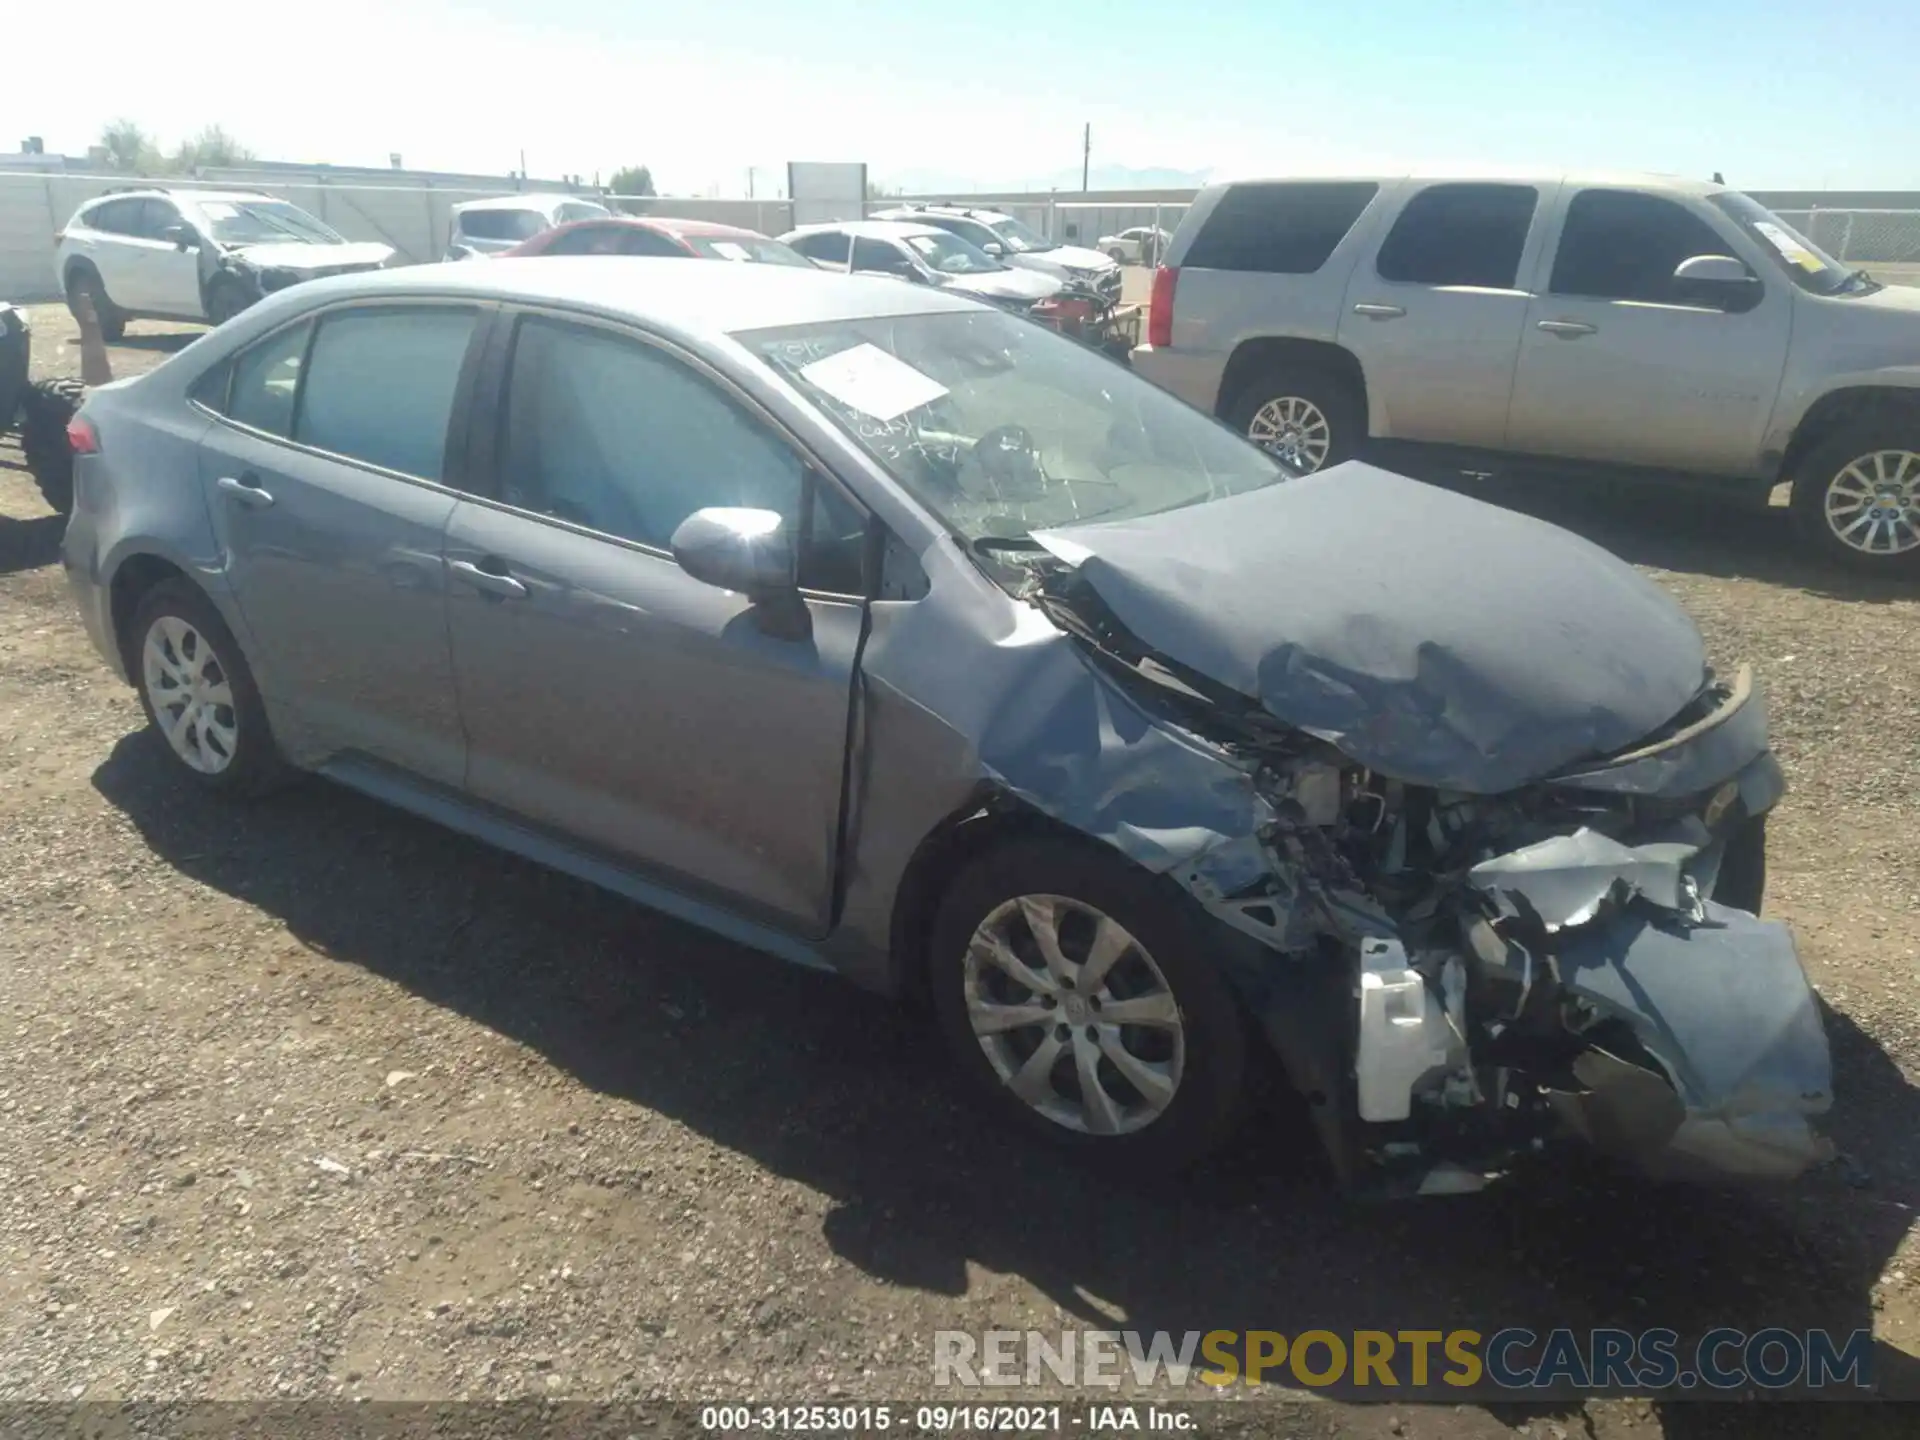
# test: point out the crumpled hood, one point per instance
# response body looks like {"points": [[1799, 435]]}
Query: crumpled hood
{"points": [[1432, 637], [1006, 284], [1078, 257], [297, 255]]}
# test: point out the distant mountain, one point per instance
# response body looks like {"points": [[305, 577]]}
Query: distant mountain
{"points": [[1101, 177]]}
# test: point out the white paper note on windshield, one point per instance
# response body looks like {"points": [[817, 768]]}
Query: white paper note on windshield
{"points": [[1789, 246], [730, 249], [873, 382]]}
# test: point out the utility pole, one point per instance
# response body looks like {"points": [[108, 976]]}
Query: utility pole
{"points": [[1086, 154], [750, 170]]}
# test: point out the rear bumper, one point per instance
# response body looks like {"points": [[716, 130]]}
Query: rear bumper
{"points": [[1192, 375], [80, 558]]}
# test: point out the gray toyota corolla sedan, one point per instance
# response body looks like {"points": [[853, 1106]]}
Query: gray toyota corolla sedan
{"points": [[894, 634]]}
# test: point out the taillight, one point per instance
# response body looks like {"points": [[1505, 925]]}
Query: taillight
{"points": [[1160, 306], [82, 438]]}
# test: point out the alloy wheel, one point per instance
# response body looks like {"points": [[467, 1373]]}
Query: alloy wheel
{"points": [[1294, 430], [192, 698], [1873, 504], [1074, 1015]]}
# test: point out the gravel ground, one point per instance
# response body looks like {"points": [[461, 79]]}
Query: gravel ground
{"points": [[311, 1099]]}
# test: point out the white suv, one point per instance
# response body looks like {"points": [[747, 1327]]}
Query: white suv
{"points": [[493, 227], [195, 254]]}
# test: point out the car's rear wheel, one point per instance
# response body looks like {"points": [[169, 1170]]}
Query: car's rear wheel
{"points": [[198, 692], [1856, 497], [1074, 993], [1307, 418], [85, 280]]}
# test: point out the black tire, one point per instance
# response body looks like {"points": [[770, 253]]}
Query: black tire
{"points": [[253, 762], [1825, 466], [1742, 881], [226, 298], [45, 410], [1209, 1092], [1332, 394], [1117, 255], [84, 279]]}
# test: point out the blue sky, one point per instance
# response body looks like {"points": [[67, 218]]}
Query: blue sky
{"points": [[995, 91]]}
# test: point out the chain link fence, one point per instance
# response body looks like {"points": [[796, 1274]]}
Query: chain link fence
{"points": [[1884, 242]]}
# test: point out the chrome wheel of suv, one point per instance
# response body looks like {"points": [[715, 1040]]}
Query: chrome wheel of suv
{"points": [[1295, 430], [1074, 1015], [1873, 504]]}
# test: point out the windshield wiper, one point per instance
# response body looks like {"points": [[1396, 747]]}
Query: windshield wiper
{"points": [[991, 545]]}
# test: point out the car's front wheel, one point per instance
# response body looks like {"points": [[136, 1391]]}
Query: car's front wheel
{"points": [[198, 692], [1074, 992], [1856, 497]]}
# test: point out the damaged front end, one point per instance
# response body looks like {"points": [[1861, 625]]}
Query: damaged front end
{"points": [[1456, 976]]}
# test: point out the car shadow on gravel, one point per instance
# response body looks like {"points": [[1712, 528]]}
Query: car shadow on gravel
{"points": [[848, 1095], [1688, 532], [170, 343]]}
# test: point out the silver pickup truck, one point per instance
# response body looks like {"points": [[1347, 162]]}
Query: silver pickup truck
{"points": [[1612, 323]]}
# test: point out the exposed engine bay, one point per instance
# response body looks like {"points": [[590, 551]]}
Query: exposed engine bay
{"points": [[1458, 974]]}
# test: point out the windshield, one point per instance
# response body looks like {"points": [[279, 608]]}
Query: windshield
{"points": [[257, 222], [1018, 239], [741, 247], [1001, 427], [581, 210], [1810, 267], [951, 255]]}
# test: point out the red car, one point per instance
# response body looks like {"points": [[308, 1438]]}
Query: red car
{"points": [[634, 235]]}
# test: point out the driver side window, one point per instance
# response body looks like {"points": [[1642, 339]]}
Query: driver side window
{"points": [[618, 436], [878, 257]]}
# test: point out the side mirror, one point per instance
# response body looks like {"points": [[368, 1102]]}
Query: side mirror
{"points": [[745, 550], [181, 237], [1718, 280], [994, 248]]}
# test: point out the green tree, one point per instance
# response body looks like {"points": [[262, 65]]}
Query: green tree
{"points": [[211, 148], [632, 180], [130, 149]]}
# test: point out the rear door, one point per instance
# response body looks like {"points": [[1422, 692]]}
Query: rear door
{"points": [[1435, 314], [609, 695], [329, 488], [1620, 362], [110, 242]]}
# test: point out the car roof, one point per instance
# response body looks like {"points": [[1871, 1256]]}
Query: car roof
{"points": [[529, 201], [965, 212], [695, 300], [1636, 179], [674, 225], [871, 229], [162, 192]]}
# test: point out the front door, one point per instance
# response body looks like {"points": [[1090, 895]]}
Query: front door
{"points": [[608, 694], [1435, 318], [1620, 362], [327, 492], [170, 275]]}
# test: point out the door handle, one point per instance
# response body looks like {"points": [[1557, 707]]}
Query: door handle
{"points": [[246, 490], [488, 581], [1379, 312], [1565, 329]]}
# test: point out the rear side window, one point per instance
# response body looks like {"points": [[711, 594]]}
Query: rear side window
{"points": [[1625, 245], [266, 381], [828, 245], [613, 240], [502, 224], [116, 217], [1280, 229], [1460, 235], [380, 386]]}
